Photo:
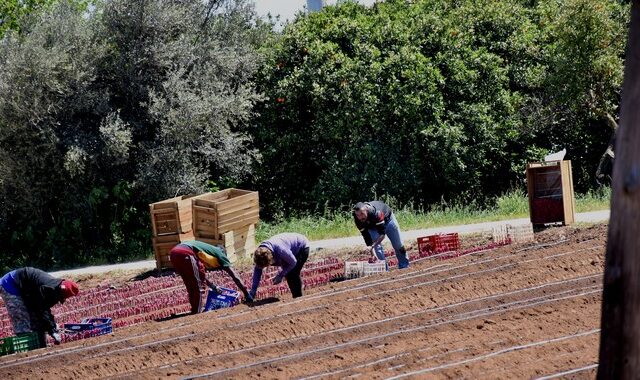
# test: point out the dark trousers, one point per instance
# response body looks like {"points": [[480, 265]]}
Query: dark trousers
{"points": [[293, 277], [190, 268]]}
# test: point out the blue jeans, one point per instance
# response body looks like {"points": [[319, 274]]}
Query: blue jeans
{"points": [[392, 230]]}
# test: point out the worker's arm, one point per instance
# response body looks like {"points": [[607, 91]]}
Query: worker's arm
{"points": [[234, 276], [257, 275]]}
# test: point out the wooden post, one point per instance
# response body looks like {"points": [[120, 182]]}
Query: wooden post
{"points": [[620, 335]]}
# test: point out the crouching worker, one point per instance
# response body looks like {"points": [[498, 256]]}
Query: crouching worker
{"points": [[29, 294], [289, 251], [375, 220], [189, 260]]}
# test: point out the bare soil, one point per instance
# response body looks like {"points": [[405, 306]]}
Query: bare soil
{"points": [[519, 311]]}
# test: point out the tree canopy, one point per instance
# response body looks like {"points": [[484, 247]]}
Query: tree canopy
{"points": [[109, 107], [435, 98]]}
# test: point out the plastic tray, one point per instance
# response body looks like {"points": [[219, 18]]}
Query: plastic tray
{"points": [[95, 326], [226, 298]]}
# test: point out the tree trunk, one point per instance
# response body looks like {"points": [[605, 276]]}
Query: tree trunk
{"points": [[620, 335]]}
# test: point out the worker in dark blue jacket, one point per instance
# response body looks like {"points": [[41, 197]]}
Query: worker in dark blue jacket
{"points": [[29, 294], [375, 220]]}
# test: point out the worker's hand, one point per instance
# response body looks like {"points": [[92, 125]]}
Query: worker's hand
{"points": [[215, 289], [57, 339], [276, 280]]}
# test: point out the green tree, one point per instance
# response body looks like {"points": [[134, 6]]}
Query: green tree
{"points": [[583, 49], [103, 111], [402, 98]]}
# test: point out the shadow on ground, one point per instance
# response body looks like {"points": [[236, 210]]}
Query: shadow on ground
{"points": [[173, 316], [153, 273], [264, 301]]}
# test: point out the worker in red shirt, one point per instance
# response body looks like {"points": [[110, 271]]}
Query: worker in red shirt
{"points": [[191, 258]]}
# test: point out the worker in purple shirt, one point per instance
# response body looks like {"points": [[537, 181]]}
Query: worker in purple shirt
{"points": [[289, 251]]}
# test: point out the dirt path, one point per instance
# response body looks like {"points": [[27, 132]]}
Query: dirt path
{"points": [[514, 312]]}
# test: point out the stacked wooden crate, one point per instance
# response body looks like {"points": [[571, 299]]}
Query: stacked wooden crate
{"points": [[171, 223], [228, 218]]}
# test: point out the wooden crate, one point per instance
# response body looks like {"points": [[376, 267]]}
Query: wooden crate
{"points": [[550, 191], [241, 242], [162, 246], [215, 214], [236, 243], [226, 217], [171, 216]]}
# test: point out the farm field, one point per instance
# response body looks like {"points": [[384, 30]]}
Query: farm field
{"points": [[516, 311]]}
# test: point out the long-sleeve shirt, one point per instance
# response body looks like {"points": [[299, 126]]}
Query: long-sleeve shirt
{"points": [[377, 218], [210, 250], [286, 248], [39, 291]]}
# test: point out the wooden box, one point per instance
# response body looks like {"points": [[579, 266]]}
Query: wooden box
{"points": [[226, 218], [162, 246], [215, 214], [550, 191], [171, 216], [240, 242]]}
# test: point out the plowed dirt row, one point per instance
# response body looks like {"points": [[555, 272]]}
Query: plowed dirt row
{"points": [[517, 311]]}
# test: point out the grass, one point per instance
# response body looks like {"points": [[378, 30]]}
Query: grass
{"points": [[512, 205]]}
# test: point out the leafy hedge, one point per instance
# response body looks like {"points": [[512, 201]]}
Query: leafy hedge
{"points": [[106, 108]]}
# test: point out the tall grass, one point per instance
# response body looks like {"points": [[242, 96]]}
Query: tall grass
{"points": [[511, 205]]}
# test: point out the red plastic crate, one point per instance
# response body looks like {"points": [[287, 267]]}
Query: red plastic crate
{"points": [[433, 244]]}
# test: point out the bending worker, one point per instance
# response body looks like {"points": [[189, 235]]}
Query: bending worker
{"points": [[29, 294], [288, 251], [189, 260], [375, 220]]}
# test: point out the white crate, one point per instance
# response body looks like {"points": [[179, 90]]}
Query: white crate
{"points": [[355, 269], [374, 268], [500, 235], [521, 233], [507, 234]]}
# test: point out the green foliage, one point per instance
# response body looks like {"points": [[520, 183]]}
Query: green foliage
{"points": [[107, 109], [433, 99]]}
